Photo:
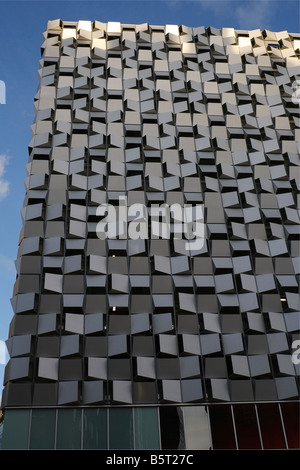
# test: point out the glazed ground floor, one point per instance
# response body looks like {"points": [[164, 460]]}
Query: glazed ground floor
{"points": [[269, 425]]}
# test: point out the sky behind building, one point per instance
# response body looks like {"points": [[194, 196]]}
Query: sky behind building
{"points": [[22, 24]]}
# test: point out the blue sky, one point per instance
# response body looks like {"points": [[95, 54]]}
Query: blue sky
{"points": [[21, 26]]}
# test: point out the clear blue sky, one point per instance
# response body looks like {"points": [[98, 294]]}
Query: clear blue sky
{"points": [[21, 26]]}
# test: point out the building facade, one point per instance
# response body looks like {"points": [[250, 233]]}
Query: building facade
{"points": [[131, 335]]}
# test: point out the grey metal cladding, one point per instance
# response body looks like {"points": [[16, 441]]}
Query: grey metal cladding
{"points": [[159, 115]]}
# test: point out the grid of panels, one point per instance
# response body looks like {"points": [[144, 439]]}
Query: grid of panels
{"points": [[159, 115]]}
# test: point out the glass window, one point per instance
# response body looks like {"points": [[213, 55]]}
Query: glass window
{"points": [[42, 435], [169, 427], [95, 428], [270, 426], [196, 427], [16, 429], [246, 427], [146, 428], [120, 428], [221, 424], [69, 429], [291, 419]]}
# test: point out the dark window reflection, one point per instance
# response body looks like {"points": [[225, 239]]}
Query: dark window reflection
{"points": [[169, 427], [291, 420], [222, 427], [246, 427], [270, 426]]}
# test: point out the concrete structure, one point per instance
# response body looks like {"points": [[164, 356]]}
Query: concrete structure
{"points": [[123, 342]]}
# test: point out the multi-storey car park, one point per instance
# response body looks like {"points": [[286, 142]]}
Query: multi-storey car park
{"points": [[138, 342]]}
